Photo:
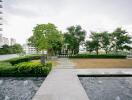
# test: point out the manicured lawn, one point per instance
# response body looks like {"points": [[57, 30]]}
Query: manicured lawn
{"points": [[102, 63]]}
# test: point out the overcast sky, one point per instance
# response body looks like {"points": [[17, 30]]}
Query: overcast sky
{"points": [[20, 16]]}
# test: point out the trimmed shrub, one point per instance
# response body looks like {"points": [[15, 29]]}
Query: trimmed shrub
{"points": [[17, 60], [33, 68], [99, 56], [6, 69], [25, 69]]}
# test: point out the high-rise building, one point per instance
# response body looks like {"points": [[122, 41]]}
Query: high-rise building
{"points": [[5, 41], [1, 38], [1, 15], [12, 41], [29, 49]]}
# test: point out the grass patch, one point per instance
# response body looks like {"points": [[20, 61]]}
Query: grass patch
{"points": [[102, 63]]}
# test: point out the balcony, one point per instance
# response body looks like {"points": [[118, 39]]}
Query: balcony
{"points": [[1, 6], [1, 29]]}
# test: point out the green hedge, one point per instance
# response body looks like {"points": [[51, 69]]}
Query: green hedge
{"points": [[17, 60], [25, 69], [99, 56], [6, 68]]}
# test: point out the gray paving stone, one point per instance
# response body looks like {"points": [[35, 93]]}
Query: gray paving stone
{"points": [[102, 71], [61, 84]]}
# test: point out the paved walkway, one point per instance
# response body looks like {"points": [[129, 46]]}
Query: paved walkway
{"points": [[61, 84], [65, 63]]}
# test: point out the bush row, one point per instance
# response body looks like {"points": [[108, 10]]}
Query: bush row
{"points": [[99, 56], [17, 60], [25, 69]]}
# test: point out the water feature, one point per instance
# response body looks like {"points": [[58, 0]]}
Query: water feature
{"points": [[108, 88], [19, 88]]}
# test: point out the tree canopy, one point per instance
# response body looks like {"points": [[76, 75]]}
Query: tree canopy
{"points": [[46, 37], [73, 37], [6, 49], [115, 41]]}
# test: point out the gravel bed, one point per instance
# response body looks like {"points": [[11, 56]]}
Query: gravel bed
{"points": [[19, 88], [108, 88]]}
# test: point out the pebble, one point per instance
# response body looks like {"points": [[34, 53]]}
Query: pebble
{"points": [[117, 98], [100, 82], [25, 82], [1, 81], [6, 97]]}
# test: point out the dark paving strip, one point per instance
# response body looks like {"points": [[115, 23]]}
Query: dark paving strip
{"points": [[106, 75]]}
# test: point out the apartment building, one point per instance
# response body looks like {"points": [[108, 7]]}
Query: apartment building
{"points": [[29, 49], [1, 38], [12, 41]]}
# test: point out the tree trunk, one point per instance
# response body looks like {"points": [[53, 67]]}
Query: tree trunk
{"points": [[106, 51], [42, 58], [97, 51]]}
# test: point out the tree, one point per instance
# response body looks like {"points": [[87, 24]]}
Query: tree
{"points": [[45, 37], [90, 46], [17, 48], [74, 37], [120, 39], [105, 41], [70, 41], [95, 36], [5, 49]]}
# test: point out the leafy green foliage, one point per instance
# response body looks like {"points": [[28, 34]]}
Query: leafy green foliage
{"points": [[6, 68], [16, 48], [120, 39], [105, 41], [90, 46], [17, 60], [46, 37], [33, 68], [74, 37], [115, 41], [25, 69]]}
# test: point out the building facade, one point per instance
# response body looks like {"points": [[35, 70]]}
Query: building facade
{"points": [[12, 41], [5, 41], [1, 39], [29, 49]]}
